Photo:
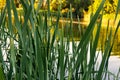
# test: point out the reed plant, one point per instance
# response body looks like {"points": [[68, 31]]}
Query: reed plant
{"points": [[32, 47]]}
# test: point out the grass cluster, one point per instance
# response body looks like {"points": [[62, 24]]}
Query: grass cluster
{"points": [[36, 49]]}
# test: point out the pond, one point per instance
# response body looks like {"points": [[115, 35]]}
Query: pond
{"points": [[79, 29]]}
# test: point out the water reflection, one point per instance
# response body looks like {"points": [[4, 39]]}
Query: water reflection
{"points": [[78, 30], [102, 39]]}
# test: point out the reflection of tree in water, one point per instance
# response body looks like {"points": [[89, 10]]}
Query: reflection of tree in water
{"points": [[116, 48], [102, 41]]}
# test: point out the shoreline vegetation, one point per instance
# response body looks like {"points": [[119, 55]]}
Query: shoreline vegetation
{"points": [[41, 52]]}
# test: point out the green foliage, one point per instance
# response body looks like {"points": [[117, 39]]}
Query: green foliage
{"points": [[78, 6], [54, 4], [109, 6]]}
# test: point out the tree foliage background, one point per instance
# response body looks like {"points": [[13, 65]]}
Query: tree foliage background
{"points": [[79, 6], [109, 7]]}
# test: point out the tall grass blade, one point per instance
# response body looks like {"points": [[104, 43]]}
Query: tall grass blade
{"points": [[2, 16], [2, 75], [117, 10], [105, 57], [9, 16], [27, 16], [85, 39], [93, 51], [17, 22]]}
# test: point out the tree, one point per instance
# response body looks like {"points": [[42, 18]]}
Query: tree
{"points": [[109, 6], [54, 4], [78, 6]]}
